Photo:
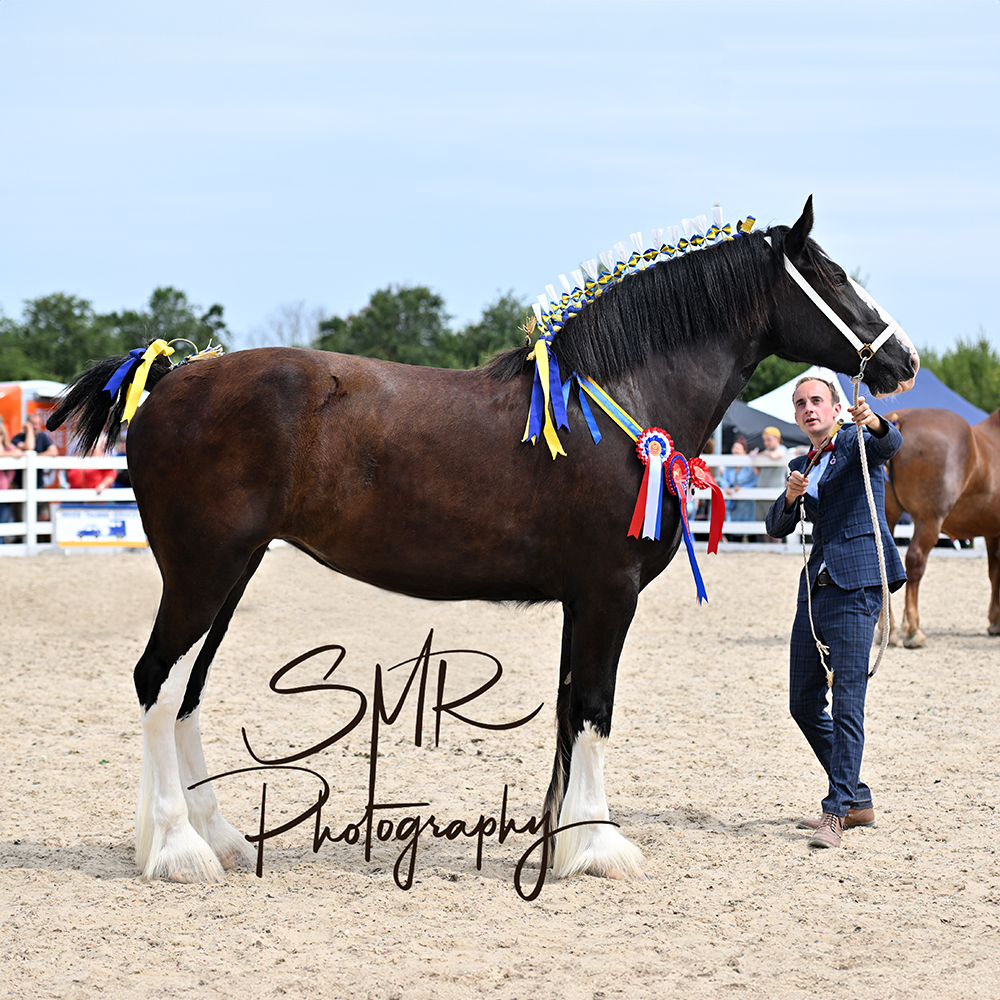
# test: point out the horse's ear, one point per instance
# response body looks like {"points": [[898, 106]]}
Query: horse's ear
{"points": [[795, 241]]}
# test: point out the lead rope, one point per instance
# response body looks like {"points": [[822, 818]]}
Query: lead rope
{"points": [[821, 649], [856, 380]]}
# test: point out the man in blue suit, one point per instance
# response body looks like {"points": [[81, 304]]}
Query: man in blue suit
{"points": [[845, 584]]}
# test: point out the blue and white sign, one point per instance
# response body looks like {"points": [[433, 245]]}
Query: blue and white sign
{"points": [[99, 524]]}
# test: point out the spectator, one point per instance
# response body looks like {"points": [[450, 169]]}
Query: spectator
{"points": [[34, 438], [90, 479], [7, 450], [770, 476], [735, 478]]}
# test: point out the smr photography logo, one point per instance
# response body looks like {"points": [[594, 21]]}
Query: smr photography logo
{"points": [[387, 821]]}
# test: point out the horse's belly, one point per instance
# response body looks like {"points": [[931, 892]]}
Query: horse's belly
{"points": [[973, 516]]}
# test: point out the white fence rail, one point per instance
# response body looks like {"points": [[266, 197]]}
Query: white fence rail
{"points": [[35, 505], [737, 529], [36, 535]]}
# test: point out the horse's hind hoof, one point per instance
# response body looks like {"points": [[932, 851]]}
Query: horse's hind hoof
{"points": [[994, 629], [916, 640], [877, 637]]}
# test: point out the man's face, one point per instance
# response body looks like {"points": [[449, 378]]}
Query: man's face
{"points": [[814, 411], [771, 442]]}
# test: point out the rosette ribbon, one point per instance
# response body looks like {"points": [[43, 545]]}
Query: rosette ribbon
{"points": [[544, 402], [678, 476], [653, 448], [702, 479]]}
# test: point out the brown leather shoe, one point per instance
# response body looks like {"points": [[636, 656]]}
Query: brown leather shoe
{"points": [[854, 817], [829, 831]]}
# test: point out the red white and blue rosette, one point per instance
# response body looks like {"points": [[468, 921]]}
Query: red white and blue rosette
{"points": [[653, 447]]}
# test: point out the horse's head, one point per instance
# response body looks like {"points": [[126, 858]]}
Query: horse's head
{"points": [[832, 321]]}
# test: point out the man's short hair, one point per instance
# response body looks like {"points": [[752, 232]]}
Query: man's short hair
{"points": [[834, 395]]}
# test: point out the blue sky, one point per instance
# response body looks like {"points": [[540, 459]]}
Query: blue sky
{"points": [[260, 154]]}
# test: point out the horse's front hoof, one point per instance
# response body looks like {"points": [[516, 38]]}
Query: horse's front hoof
{"points": [[915, 640], [596, 850], [994, 629], [184, 857]]}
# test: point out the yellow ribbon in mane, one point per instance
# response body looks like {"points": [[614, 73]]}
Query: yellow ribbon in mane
{"points": [[540, 355], [156, 348]]}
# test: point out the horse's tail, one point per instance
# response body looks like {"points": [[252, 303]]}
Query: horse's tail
{"points": [[96, 409]]}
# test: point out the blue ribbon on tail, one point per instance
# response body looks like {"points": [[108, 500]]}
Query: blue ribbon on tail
{"points": [[116, 380], [677, 484]]}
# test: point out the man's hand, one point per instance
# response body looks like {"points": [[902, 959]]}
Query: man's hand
{"points": [[794, 488], [863, 417]]}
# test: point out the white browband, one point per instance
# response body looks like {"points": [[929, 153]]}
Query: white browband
{"points": [[866, 351]]}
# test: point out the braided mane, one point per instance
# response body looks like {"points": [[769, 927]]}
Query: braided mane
{"points": [[705, 295]]}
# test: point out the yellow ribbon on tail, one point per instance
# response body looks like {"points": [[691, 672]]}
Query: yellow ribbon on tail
{"points": [[156, 348], [540, 413]]}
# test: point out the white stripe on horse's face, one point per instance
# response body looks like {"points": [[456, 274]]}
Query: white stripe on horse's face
{"points": [[598, 848]]}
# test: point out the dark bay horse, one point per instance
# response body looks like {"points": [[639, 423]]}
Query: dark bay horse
{"points": [[946, 476], [415, 480]]}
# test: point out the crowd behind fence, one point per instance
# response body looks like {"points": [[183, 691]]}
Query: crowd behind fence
{"points": [[34, 506]]}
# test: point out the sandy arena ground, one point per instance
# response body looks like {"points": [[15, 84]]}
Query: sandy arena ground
{"points": [[706, 772]]}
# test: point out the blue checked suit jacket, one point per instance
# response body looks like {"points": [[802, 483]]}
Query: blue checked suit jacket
{"points": [[842, 523]]}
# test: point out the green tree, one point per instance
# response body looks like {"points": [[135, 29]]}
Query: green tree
{"points": [[409, 324], [500, 328], [170, 316], [59, 335], [771, 373], [15, 363], [399, 323], [971, 368]]}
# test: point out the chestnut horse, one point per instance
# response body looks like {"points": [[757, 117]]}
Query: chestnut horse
{"points": [[946, 476], [416, 480]]}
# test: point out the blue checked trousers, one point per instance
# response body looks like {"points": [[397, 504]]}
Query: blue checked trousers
{"points": [[845, 621]]}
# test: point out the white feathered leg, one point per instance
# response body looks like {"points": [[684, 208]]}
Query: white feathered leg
{"points": [[227, 843], [598, 849], [166, 844]]}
